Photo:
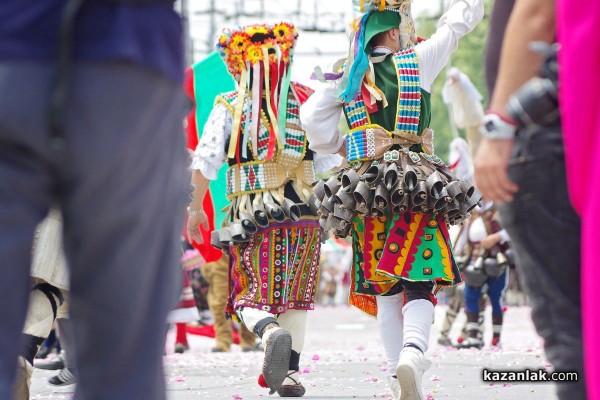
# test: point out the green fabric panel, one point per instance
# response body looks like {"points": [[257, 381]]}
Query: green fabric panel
{"points": [[211, 79], [386, 79], [429, 255]]}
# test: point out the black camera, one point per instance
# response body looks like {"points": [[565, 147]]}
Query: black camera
{"points": [[536, 102]]}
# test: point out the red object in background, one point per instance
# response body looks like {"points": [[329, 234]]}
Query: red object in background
{"points": [[209, 253], [209, 331], [190, 128]]}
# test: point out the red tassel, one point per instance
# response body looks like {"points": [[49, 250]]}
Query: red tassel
{"points": [[262, 382], [367, 99]]}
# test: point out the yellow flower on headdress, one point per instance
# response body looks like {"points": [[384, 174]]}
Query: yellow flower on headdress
{"points": [[223, 40], [254, 54], [284, 32], [236, 61], [239, 42], [270, 47], [256, 29]]}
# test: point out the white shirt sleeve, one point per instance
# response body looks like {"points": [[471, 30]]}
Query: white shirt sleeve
{"points": [[461, 18], [210, 156], [319, 117], [326, 162]]}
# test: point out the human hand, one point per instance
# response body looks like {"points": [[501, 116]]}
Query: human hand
{"points": [[491, 170], [193, 226], [490, 241]]}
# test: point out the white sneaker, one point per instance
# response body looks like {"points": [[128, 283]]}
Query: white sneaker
{"points": [[410, 371], [394, 387]]}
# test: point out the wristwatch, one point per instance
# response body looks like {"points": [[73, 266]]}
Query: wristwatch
{"points": [[494, 127], [193, 213]]}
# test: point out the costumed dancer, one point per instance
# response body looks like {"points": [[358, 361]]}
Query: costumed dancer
{"points": [[271, 235], [397, 197], [185, 311], [482, 245], [465, 102], [204, 81], [461, 164], [48, 301]]}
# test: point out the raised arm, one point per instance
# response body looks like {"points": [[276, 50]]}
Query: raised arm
{"points": [[461, 18]]}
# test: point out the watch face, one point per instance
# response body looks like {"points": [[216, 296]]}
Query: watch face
{"points": [[490, 126]]}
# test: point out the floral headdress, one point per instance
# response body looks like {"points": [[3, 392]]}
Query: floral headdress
{"points": [[259, 58], [244, 47]]}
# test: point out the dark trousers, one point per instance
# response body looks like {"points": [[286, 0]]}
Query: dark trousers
{"points": [[545, 232], [120, 180], [495, 291]]}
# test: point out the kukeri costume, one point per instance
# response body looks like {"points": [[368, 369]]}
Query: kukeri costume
{"points": [[270, 233], [48, 299], [397, 197], [481, 267]]}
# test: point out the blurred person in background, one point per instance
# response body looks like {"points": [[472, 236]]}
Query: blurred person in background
{"points": [[90, 120], [525, 170]]}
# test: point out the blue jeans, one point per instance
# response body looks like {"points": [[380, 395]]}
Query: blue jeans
{"points": [[495, 290], [545, 233]]}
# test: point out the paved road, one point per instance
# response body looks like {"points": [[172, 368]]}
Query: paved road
{"points": [[343, 359]]}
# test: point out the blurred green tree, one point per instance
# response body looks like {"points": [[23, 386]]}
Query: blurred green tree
{"points": [[469, 58]]}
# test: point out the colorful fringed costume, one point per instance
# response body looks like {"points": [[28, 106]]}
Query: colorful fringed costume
{"points": [[270, 233], [396, 197], [404, 195]]}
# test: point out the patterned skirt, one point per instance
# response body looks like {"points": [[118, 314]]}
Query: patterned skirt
{"points": [[408, 246], [277, 269]]}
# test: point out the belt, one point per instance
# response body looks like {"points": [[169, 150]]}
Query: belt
{"points": [[258, 177]]}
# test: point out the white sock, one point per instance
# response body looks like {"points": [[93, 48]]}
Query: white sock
{"points": [[391, 325], [251, 316], [418, 318], [294, 321]]}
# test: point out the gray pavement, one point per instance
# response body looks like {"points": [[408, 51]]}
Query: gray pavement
{"points": [[343, 359]]}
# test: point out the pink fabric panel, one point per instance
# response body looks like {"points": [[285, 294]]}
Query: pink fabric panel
{"points": [[579, 35]]}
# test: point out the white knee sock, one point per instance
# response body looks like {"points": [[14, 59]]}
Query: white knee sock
{"points": [[294, 321], [391, 326], [251, 316], [418, 317]]}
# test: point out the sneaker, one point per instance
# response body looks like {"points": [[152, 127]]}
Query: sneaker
{"points": [[43, 352], [291, 386], [410, 371], [181, 347], [278, 348], [470, 343], [496, 342], [444, 341], [394, 387], [218, 349], [256, 347], [57, 362], [64, 378]]}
